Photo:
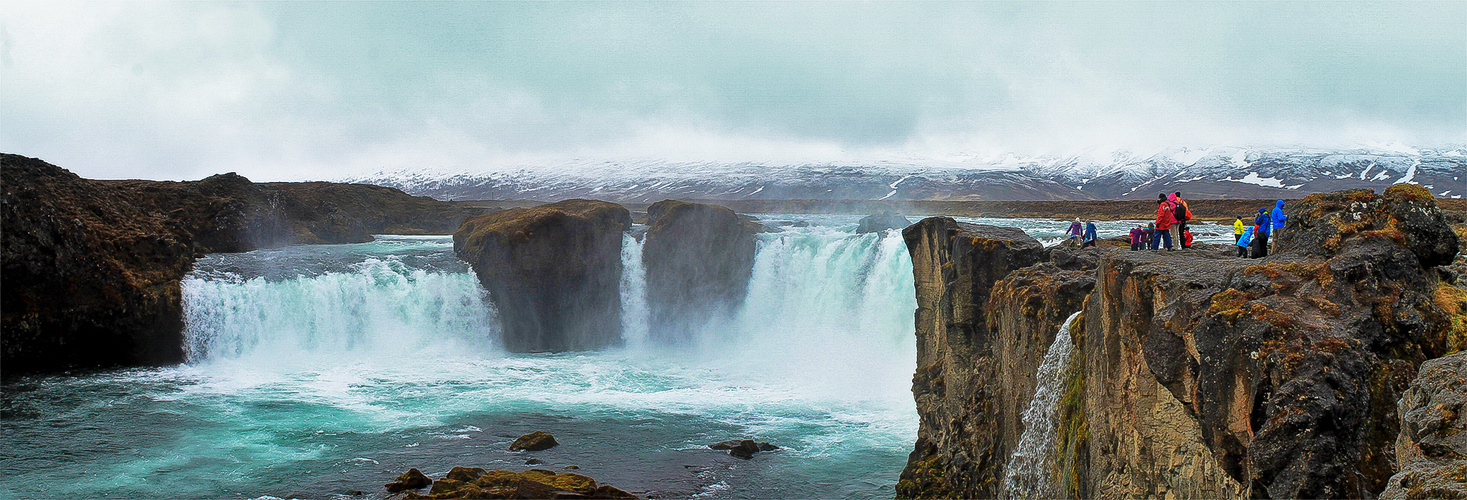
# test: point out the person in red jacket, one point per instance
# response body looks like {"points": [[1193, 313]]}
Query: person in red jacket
{"points": [[1186, 238], [1164, 221]]}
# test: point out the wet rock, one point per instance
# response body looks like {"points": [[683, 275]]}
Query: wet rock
{"points": [[465, 474], [698, 260], [533, 483], [611, 492], [410, 480], [91, 269], [743, 448], [553, 272], [882, 221], [534, 461], [534, 441]]}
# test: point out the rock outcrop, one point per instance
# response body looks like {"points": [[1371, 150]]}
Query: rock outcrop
{"points": [[1432, 447], [881, 221], [553, 272], [1195, 374], [91, 269], [475, 482], [961, 444], [698, 260]]}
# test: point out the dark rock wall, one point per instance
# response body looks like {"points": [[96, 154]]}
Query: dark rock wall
{"points": [[1197, 375], [91, 269], [961, 444], [553, 272], [1432, 448], [698, 260]]}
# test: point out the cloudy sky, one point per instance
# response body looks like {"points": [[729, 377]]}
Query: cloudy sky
{"points": [[315, 90]]}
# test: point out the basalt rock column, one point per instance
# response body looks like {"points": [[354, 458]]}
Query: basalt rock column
{"points": [[965, 433], [553, 272], [698, 259]]}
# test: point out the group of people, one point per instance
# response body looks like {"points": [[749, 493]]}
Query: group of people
{"points": [[1085, 236], [1172, 217], [1253, 240]]}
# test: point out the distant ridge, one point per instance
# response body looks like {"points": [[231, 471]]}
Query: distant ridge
{"points": [[1201, 173]]}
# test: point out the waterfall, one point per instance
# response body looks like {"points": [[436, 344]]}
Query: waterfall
{"points": [[1028, 469], [635, 316], [829, 308], [377, 307]]}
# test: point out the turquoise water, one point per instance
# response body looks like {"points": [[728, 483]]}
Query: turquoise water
{"points": [[325, 371]]}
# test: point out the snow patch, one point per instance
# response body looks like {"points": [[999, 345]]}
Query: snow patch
{"points": [[1410, 174], [1253, 178]]}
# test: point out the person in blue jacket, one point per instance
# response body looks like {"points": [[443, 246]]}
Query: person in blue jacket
{"points": [[1089, 234], [1260, 235], [1278, 221], [1243, 241]]}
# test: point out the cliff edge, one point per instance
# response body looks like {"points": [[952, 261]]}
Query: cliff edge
{"points": [[1194, 374]]}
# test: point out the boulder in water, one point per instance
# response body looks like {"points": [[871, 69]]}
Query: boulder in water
{"points": [[698, 259], [410, 480], [882, 221], [743, 448], [534, 441], [553, 272]]}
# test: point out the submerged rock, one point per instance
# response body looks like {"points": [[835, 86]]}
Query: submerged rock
{"points": [[553, 272], [698, 260], [534, 441], [882, 221]]}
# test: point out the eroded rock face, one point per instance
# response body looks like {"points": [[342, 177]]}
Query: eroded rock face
{"points": [[698, 260], [553, 272], [1196, 375], [961, 449], [91, 269], [1432, 447]]}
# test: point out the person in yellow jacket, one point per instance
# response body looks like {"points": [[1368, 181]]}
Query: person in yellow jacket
{"points": [[1237, 229]]}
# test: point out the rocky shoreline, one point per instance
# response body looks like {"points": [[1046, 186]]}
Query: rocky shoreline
{"points": [[1195, 375], [92, 268]]}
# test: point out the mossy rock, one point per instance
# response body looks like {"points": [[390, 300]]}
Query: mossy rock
{"points": [[465, 474], [534, 441]]}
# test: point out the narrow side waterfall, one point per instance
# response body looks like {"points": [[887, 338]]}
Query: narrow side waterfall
{"points": [[1028, 470], [635, 315]]}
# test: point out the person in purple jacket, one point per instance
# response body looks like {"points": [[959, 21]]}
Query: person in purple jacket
{"points": [[1074, 233], [1136, 233]]}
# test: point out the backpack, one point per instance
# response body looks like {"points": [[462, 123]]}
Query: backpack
{"points": [[1180, 212]]}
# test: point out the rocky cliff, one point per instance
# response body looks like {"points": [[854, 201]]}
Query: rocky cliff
{"points": [[1195, 374], [698, 260], [91, 268], [553, 272]]}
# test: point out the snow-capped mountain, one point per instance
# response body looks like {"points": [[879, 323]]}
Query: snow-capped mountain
{"points": [[1221, 172]]}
